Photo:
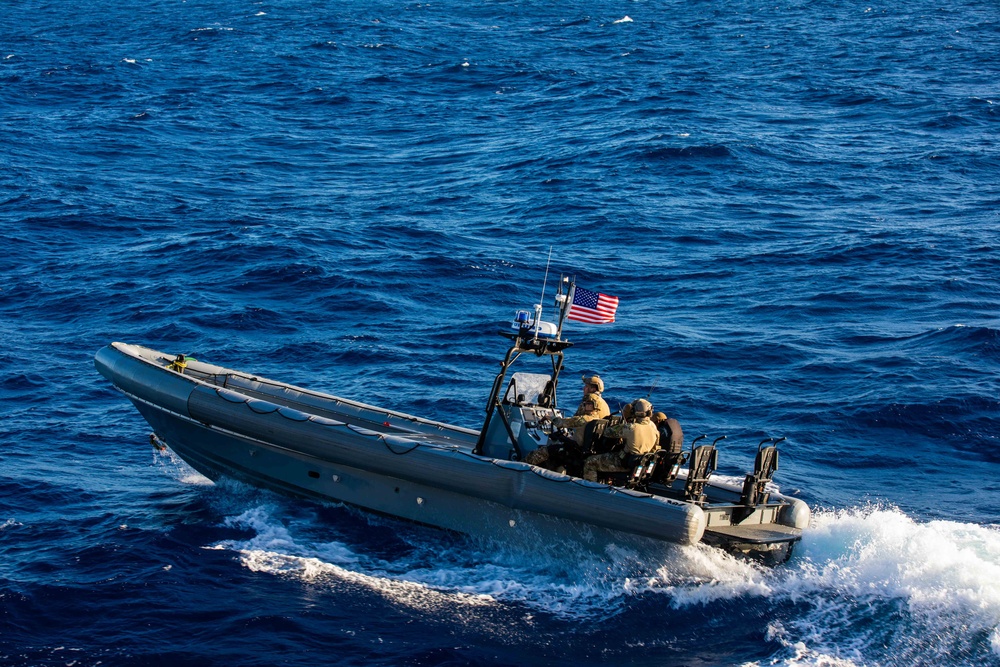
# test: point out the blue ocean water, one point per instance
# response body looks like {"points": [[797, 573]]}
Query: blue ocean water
{"points": [[795, 202]]}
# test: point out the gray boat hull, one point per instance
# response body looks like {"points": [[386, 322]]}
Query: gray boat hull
{"points": [[286, 438]]}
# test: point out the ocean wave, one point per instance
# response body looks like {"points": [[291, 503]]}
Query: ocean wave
{"points": [[686, 152], [874, 566], [929, 590], [439, 572], [908, 579], [21, 382]]}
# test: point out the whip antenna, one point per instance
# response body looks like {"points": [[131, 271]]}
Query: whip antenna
{"points": [[546, 278], [652, 387], [538, 306]]}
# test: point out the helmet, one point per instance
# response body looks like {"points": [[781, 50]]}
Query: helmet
{"points": [[588, 404], [627, 411], [594, 380], [641, 408], [659, 416]]}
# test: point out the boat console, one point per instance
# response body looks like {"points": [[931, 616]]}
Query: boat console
{"points": [[525, 417]]}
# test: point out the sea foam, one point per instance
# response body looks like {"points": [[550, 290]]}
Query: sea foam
{"points": [[926, 592]]}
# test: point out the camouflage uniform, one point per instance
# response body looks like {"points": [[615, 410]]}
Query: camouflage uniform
{"points": [[541, 456], [538, 457], [578, 424], [641, 437]]}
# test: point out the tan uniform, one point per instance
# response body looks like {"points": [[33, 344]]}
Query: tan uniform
{"points": [[601, 409], [640, 438]]}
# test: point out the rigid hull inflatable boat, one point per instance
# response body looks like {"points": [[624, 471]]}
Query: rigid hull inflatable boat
{"points": [[279, 436]]}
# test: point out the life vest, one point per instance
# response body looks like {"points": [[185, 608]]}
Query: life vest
{"points": [[671, 436]]}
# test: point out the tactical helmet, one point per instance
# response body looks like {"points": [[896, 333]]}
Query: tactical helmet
{"points": [[641, 408], [659, 416], [594, 380]]}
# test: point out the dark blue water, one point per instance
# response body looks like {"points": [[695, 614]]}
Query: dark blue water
{"points": [[797, 204]]}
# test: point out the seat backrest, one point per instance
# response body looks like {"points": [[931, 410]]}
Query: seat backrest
{"points": [[766, 463], [668, 464], [755, 484], [593, 433], [704, 460], [643, 469]]}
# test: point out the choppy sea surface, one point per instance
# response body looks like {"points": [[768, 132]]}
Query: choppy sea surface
{"points": [[797, 204]]}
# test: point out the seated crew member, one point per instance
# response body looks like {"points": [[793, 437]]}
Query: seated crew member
{"points": [[640, 436], [671, 435], [593, 385], [547, 454]]}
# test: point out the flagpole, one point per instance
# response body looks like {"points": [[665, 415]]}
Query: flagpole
{"points": [[567, 304]]}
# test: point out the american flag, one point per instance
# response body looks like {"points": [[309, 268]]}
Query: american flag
{"points": [[592, 307]]}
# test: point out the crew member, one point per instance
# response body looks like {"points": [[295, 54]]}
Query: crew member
{"points": [[593, 386], [547, 454], [640, 437]]}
